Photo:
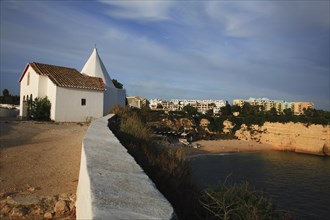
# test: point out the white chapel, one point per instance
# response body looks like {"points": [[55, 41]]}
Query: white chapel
{"points": [[75, 96]]}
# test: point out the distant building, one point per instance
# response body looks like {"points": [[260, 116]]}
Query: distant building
{"points": [[136, 101], [202, 106], [298, 107], [74, 96], [239, 102], [279, 105]]}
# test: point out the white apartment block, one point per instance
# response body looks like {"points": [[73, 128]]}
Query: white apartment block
{"points": [[279, 105], [177, 104]]}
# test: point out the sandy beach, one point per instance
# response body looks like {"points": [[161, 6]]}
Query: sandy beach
{"points": [[39, 159], [230, 146]]}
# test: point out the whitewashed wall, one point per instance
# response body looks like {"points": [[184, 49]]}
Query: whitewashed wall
{"points": [[43, 86], [68, 106], [31, 89], [112, 97], [51, 95]]}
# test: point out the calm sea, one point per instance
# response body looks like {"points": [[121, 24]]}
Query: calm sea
{"points": [[296, 182]]}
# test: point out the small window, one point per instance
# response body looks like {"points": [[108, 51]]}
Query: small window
{"points": [[28, 78], [83, 102]]}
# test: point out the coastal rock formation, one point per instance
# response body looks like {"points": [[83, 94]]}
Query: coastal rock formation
{"points": [[228, 126], [298, 137], [178, 124], [204, 125]]}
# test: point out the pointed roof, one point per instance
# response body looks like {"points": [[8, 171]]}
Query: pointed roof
{"points": [[95, 67]]}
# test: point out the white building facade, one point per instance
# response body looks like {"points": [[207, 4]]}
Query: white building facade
{"points": [[74, 97]]}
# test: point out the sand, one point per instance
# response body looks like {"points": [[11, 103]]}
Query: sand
{"points": [[41, 156], [229, 146]]}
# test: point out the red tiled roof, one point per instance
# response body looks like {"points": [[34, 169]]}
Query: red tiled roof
{"points": [[68, 77]]}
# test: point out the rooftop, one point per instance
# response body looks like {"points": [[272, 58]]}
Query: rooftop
{"points": [[67, 77]]}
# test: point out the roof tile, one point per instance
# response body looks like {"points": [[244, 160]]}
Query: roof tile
{"points": [[68, 77]]}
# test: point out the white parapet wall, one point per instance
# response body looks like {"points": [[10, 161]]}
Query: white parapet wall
{"points": [[111, 184]]}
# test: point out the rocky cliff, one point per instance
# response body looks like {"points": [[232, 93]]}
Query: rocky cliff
{"points": [[298, 137]]}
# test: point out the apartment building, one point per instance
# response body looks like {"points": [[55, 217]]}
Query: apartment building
{"points": [[159, 104], [202, 106], [279, 105], [136, 101], [298, 107]]}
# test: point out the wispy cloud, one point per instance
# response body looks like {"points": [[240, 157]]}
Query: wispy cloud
{"points": [[137, 11]]}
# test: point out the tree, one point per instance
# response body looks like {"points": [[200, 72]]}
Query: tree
{"points": [[236, 108], [6, 98], [226, 110], [287, 112], [216, 124], [5, 92], [209, 112], [190, 110], [117, 84], [247, 109], [273, 111], [160, 106], [309, 112]]}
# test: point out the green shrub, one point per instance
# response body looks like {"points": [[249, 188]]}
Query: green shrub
{"points": [[40, 109]]}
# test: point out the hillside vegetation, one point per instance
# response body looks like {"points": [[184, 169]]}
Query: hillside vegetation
{"points": [[208, 126]]}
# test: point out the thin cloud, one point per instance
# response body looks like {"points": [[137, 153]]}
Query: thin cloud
{"points": [[135, 10]]}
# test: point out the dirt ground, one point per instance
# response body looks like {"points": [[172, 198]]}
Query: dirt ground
{"points": [[43, 157]]}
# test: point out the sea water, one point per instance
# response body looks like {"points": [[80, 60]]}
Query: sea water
{"points": [[296, 182]]}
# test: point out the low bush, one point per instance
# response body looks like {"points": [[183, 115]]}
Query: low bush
{"points": [[40, 109], [240, 201]]}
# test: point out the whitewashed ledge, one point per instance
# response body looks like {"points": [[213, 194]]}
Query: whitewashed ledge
{"points": [[111, 184]]}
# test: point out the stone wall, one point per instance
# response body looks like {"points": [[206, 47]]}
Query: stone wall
{"points": [[298, 137], [111, 184]]}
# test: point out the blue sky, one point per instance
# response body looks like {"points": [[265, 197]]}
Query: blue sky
{"points": [[178, 49]]}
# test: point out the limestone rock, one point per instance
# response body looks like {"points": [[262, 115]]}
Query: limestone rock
{"points": [[48, 215], [178, 124], [298, 137], [228, 126], [18, 212], [36, 210], [204, 122], [72, 197], [61, 208], [5, 210], [63, 197], [48, 204]]}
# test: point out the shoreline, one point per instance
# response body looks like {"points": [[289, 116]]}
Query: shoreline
{"points": [[229, 146], [232, 146]]}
